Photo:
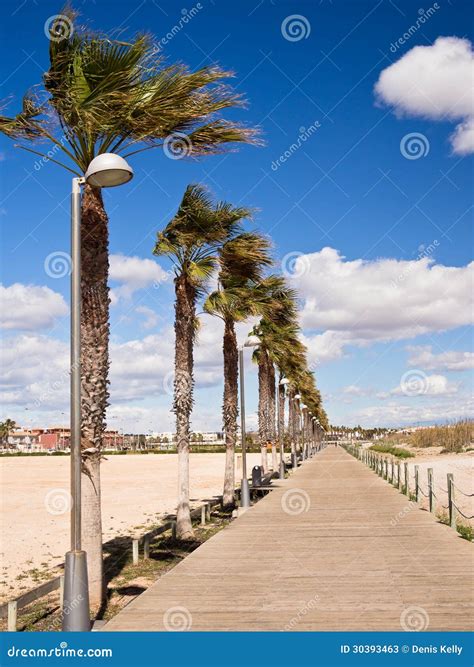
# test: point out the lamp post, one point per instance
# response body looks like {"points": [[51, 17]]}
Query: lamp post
{"points": [[297, 398], [106, 170], [252, 341], [281, 388], [303, 429]]}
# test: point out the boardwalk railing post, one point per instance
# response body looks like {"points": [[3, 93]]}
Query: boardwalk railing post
{"points": [[417, 491], [135, 552], [407, 490], [392, 472], [146, 548], [173, 530], [399, 477], [203, 515], [208, 511], [12, 614], [430, 490], [452, 509], [61, 591]]}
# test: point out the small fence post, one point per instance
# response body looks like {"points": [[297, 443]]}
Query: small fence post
{"points": [[203, 515], [12, 614], [173, 530], [135, 552], [146, 547], [399, 477], [392, 471], [417, 491], [452, 511], [407, 490], [208, 511], [430, 489]]}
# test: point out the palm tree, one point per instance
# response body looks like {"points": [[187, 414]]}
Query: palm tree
{"points": [[192, 240], [242, 292], [103, 95], [274, 328], [6, 427]]}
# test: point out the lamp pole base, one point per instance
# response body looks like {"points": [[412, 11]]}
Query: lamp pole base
{"points": [[244, 493], [76, 593], [282, 470]]}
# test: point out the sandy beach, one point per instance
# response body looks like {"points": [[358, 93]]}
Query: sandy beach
{"points": [[137, 490]]}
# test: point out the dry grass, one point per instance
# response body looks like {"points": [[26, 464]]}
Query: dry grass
{"points": [[454, 437]]}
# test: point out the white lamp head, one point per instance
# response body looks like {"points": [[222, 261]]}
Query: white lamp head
{"points": [[284, 381], [297, 397], [252, 341], [108, 170], [303, 406]]}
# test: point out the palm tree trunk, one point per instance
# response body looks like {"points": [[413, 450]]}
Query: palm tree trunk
{"points": [[230, 409], [183, 396], [272, 414], [94, 378], [263, 407], [281, 413]]}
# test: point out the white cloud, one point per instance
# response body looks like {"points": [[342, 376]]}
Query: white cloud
{"points": [[134, 273], [434, 82], [355, 390], [422, 356], [360, 302], [397, 414], [151, 318], [30, 307], [426, 385]]}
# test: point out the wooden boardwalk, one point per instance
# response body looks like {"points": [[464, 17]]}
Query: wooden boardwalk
{"points": [[334, 547]]}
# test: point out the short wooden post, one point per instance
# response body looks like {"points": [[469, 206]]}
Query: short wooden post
{"points": [[399, 477], [203, 515], [146, 547], [173, 530], [452, 509], [61, 591], [430, 490], [12, 615], [417, 490], [135, 552], [208, 511], [407, 483]]}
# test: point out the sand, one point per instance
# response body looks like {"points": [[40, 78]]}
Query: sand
{"points": [[137, 490]]}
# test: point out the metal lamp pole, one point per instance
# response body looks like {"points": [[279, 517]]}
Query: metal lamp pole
{"points": [[106, 170], [281, 387], [252, 341]]}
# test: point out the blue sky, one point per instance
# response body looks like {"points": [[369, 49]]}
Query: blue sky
{"points": [[378, 243]]}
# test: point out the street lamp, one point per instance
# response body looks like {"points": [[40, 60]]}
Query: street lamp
{"points": [[303, 431], [252, 341], [105, 171], [282, 384]]}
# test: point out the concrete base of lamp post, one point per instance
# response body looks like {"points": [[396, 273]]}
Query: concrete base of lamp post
{"points": [[244, 493], [76, 593]]}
